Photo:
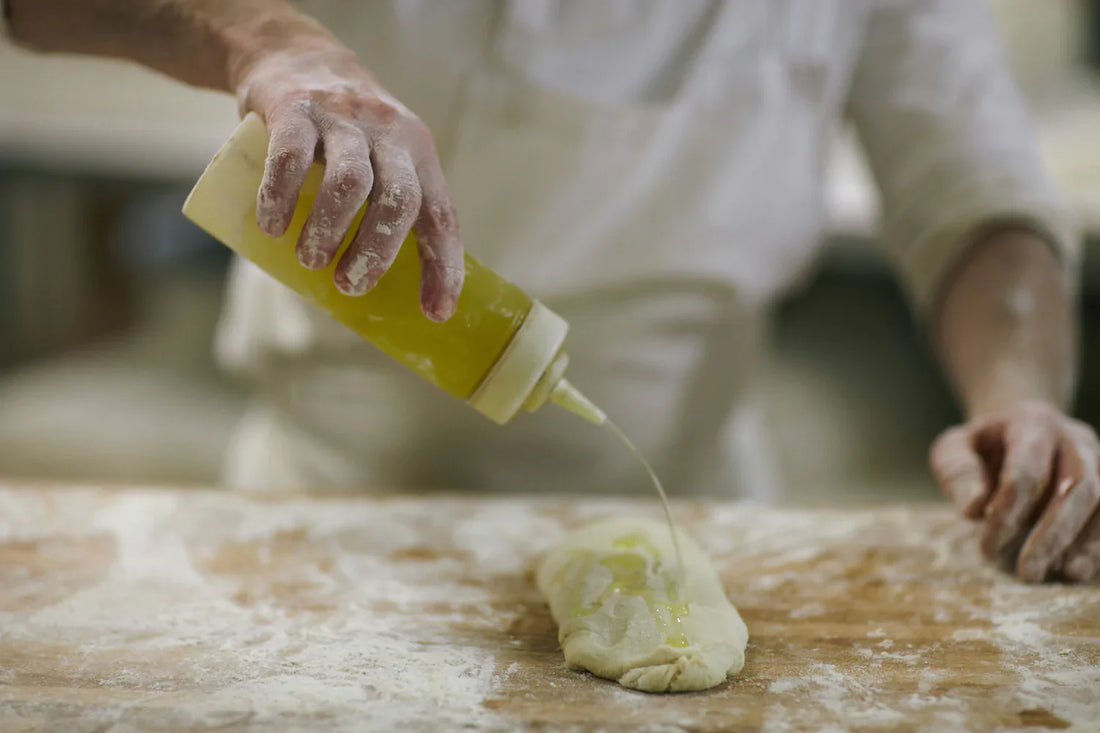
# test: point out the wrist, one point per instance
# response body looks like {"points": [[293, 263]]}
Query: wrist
{"points": [[269, 35], [1006, 327], [1007, 383]]}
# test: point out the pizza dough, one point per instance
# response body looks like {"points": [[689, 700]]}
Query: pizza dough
{"points": [[624, 613]]}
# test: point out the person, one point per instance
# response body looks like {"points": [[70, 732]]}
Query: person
{"points": [[652, 171]]}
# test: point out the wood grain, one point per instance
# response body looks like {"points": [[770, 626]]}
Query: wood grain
{"points": [[192, 610]]}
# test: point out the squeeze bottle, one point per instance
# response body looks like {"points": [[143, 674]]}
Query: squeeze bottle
{"points": [[501, 351]]}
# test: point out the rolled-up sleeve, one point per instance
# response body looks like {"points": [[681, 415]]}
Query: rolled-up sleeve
{"points": [[949, 140]]}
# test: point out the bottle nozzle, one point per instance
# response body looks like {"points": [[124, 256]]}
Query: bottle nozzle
{"points": [[566, 395]]}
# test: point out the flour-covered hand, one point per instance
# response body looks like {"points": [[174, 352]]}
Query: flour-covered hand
{"points": [[1031, 475], [318, 100]]}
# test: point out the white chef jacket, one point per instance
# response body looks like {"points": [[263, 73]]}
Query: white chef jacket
{"points": [[653, 172]]}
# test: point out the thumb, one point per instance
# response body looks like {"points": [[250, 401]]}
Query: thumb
{"points": [[960, 472]]}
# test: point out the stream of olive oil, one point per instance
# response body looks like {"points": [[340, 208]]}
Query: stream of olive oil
{"points": [[675, 581], [660, 492]]}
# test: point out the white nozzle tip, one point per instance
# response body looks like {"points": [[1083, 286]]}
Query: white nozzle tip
{"points": [[567, 396]]}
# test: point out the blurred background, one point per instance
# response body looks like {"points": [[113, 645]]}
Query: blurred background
{"points": [[109, 298]]}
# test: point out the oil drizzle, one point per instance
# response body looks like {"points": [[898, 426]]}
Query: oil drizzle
{"points": [[680, 570], [633, 572]]}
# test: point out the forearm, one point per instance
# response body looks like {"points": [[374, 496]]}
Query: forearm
{"points": [[1006, 326], [206, 43], [319, 104]]}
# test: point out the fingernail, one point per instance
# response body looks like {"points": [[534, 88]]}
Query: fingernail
{"points": [[441, 314], [1080, 568], [441, 293], [267, 225], [268, 214], [440, 307]]}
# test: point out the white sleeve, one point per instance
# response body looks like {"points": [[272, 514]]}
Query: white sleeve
{"points": [[949, 140]]}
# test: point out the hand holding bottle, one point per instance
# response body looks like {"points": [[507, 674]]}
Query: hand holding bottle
{"points": [[318, 100]]}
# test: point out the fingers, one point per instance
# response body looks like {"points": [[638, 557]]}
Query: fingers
{"points": [[1074, 500], [386, 154], [289, 156], [960, 472], [394, 203], [1082, 559], [1044, 511], [442, 266], [343, 191], [1025, 474]]}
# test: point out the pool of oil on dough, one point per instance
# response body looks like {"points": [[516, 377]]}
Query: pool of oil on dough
{"points": [[637, 571]]}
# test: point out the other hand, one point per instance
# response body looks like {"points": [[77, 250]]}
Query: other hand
{"points": [[1031, 475]]}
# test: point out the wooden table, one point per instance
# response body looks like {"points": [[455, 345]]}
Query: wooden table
{"points": [[167, 609]]}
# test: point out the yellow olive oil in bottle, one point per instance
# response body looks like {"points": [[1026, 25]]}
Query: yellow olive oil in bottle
{"points": [[501, 351]]}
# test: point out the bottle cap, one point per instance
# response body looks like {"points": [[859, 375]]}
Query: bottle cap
{"points": [[532, 350]]}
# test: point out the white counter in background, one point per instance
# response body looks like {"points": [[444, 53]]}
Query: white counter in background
{"points": [[1069, 132], [109, 117]]}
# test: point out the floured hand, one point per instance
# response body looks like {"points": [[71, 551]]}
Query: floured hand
{"points": [[1032, 476], [317, 99]]}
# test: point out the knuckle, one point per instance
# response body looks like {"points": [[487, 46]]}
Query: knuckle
{"points": [[1084, 432], [948, 446], [953, 473], [401, 196], [301, 105], [372, 259], [379, 110], [953, 435], [349, 179], [453, 278], [440, 218], [1038, 408], [1025, 480], [421, 136], [1022, 473], [1027, 416], [293, 105], [1089, 485], [316, 100], [357, 105], [1087, 456], [286, 160]]}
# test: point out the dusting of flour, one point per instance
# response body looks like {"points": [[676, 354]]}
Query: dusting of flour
{"points": [[199, 615]]}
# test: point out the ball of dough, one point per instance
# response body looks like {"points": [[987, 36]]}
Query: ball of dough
{"points": [[624, 612]]}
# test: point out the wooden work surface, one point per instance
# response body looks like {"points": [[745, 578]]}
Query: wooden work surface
{"points": [[183, 610]]}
